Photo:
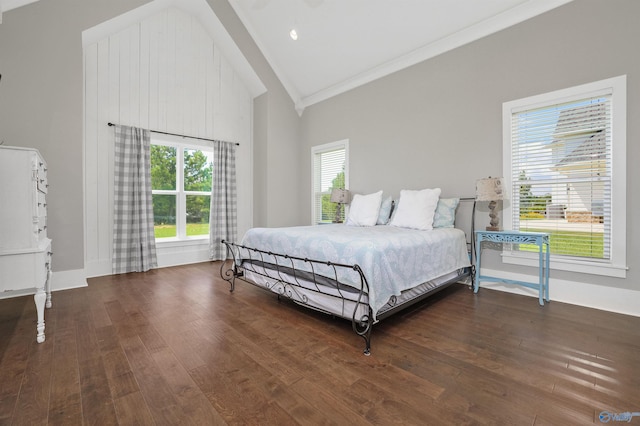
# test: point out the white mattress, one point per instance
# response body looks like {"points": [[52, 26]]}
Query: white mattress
{"points": [[350, 305]]}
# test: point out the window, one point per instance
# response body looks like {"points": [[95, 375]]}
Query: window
{"points": [[564, 156], [330, 164], [181, 189]]}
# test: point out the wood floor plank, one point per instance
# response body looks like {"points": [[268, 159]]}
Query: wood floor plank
{"points": [[194, 404], [118, 370], [327, 407], [183, 344], [174, 346], [131, 409], [32, 406], [160, 400], [65, 405], [229, 384], [97, 402], [12, 369]]}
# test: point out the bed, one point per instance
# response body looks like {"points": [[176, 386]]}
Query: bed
{"points": [[360, 273]]}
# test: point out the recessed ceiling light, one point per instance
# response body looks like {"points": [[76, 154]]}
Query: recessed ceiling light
{"points": [[293, 34]]}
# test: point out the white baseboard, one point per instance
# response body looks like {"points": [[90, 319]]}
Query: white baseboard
{"points": [[63, 280], [175, 256], [619, 300], [167, 255], [97, 268]]}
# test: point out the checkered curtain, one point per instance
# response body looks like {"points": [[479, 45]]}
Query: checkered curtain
{"points": [[223, 213], [134, 246]]}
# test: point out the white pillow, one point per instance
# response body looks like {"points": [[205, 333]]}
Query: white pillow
{"points": [[364, 209], [416, 209]]}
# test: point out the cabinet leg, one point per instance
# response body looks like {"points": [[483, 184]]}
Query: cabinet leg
{"points": [[47, 286], [40, 298]]}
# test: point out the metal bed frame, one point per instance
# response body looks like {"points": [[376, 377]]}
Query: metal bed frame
{"points": [[285, 279]]}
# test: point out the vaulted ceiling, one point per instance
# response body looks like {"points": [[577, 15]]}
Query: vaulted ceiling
{"points": [[342, 44], [6, 5]]}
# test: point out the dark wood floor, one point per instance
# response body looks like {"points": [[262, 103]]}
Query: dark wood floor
{"points": [[173, 346]]}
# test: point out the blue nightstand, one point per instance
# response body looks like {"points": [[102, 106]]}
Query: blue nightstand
{"points": [[540, 239]]}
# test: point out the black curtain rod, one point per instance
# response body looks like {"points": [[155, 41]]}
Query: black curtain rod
{"points": [[182, 136]]}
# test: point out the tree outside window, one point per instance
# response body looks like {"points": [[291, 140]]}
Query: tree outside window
{"points": [[181, 187], [330, 171]]}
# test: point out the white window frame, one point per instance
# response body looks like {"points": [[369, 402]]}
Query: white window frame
{"points": [[617, 87], [179, 192], [317, 150]]}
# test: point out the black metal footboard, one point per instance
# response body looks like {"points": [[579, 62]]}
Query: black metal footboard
{"points": [[299, 278]]}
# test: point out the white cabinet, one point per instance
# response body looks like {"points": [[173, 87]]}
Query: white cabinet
{"points": [[25, 250]]}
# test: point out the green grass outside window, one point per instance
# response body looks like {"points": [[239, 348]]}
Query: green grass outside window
{"points": [[581, 244], [169, 231]]}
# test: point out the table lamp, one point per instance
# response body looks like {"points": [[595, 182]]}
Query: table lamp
{"points": [[339, 196], [490, 189]]}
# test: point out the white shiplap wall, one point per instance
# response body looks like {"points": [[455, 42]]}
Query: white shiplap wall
{"points": [[163, 72]]}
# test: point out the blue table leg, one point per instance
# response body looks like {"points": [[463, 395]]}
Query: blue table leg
{"points": [[546, 272], [541, 274], [475, 278]]}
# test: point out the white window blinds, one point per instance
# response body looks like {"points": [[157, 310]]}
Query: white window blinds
{"points": [[561, 175], [329, 168]]}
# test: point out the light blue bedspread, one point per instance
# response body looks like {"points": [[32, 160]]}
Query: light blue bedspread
{"points": [[393, 259]]}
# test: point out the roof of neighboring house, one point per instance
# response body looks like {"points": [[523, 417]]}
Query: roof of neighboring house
{"points": [[581, 130], [591, 148]]}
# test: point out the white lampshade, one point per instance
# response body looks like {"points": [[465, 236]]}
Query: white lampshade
{"points": [[489, 189], [340, 196]]}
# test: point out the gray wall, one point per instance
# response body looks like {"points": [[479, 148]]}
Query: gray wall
{"points": [[41, 103], [439, 123], [276, 135]]}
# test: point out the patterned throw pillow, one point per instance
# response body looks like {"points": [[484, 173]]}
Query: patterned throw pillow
{"points": [[385, 211], [445, 216]]}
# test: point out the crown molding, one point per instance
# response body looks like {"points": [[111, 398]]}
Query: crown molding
{"points": [[7, 5], [467, 35]]}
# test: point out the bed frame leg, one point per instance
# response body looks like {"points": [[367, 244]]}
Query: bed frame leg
{"points": [[367, 340], [363, 329], [229, 274]]}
